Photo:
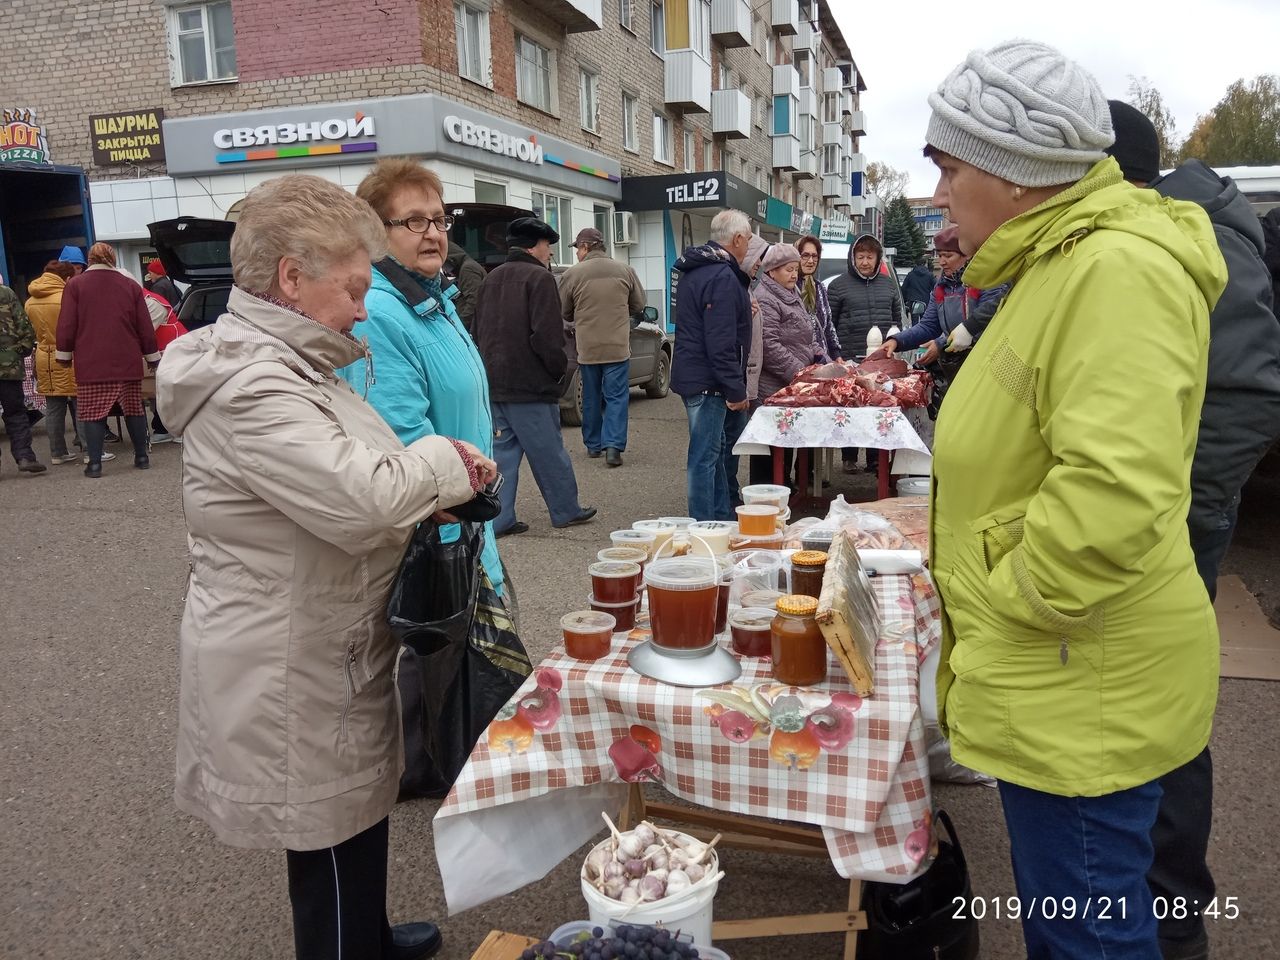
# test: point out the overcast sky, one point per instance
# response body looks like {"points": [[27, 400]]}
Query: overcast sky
{"points": [[1190, 51]]}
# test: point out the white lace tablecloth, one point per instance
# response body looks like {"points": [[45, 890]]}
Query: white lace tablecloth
{"points": [[882, 428]]}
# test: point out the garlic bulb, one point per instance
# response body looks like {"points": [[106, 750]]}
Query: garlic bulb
{"points": [[651, 888], [677, 882], [596, 862], [659, 873], [629, 895], [630, 847], [695, 872], [613, 870], [613, 888], [645, 833], [634, 868]]}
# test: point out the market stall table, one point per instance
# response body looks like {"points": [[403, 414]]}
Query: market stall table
{"points": [[879, 428], [577, 734]]}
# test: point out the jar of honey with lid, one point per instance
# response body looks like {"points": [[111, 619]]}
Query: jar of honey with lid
{"points": [[807, 570], [799, 649]]}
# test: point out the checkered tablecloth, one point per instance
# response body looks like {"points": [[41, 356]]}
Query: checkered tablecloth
{"points": [[576, 733]]}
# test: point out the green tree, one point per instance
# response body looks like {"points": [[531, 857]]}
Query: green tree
{"points": [[903, 233], [1243, 129], [887, 182], [1147, 99]]}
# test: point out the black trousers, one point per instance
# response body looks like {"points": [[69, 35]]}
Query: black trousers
{"points": [[16, 422], [1181, 832], [339, 897]]}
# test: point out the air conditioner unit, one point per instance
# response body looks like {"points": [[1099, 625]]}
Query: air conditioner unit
{"points": [[626, 230]]}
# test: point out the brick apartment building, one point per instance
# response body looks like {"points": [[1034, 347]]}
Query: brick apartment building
{"points": [[642, 117], [930, 218]]}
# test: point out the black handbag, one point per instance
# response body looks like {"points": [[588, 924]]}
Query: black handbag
{"points": [[918, 920], [460, 658], [483, 507]]}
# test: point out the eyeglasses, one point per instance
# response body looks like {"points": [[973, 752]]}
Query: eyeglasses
{"points": [[423, 224], [808, 256]]}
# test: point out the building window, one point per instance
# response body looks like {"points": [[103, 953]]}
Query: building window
{"points": [[630, 128], [804, 66], [690, 151], [557, 212], [602, 220], [706, 154], [770, 48], [662, 146], [472, 29], [588, 88], [831, 108], [627, 14], [760, 182], [657, 27], [204, 39], [487, 192], [761, 110], [830, 159], [725, 81], [784, 116], [533, 73], [700, 28]]}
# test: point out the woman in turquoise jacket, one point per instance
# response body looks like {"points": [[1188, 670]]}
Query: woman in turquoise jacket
{"points": [[1080, 651], [426, 376]]}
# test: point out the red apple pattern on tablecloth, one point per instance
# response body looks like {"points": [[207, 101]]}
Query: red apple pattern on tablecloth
{"points": [[513, 729], [635, 755], [798, 726], [919, 840]]}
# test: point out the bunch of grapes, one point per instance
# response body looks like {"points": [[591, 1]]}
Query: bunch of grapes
{"points": [[627, 942]]}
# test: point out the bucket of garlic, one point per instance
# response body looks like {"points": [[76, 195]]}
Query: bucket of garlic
{"points": [[652, 876]]}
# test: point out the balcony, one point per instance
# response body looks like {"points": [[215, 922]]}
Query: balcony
{"points": [[731, 114], [833, 185], [858, 125], [576, 16], [857, 206], [731, 22], [832, 133], [784, 17], [832, 80], [808, 102], [786, 153], [808, 168], [808, 37], [687, 81], [846, 102], [849, 75], [858, 162], [786, 81]]}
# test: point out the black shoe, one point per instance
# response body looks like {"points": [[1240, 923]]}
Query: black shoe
{"points": [[110, 437], [94, 470], [31, 466], [585, 516], [517, 527], [414, 941], [594, 454], [142, 463], [613, 457], [1196, 948]]}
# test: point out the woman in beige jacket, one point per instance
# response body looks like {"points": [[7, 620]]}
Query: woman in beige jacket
{"points": [[299, 501]]}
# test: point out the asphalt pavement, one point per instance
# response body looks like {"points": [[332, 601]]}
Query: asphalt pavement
{"points": [[97, 862]]}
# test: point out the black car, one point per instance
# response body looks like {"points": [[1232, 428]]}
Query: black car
{"points": [[197, 253]]}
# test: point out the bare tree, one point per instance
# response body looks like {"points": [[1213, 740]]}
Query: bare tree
{"points": [[887, 182], [1147, 99]]}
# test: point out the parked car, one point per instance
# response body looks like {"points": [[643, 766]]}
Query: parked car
{"points": [[650, 366], [481, 230], [196, 252]]}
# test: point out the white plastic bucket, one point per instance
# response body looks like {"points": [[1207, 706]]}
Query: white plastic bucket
{"points": [[688, 912], [913, 487]]}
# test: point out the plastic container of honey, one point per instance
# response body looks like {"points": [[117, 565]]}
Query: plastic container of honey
{"points": [[770, 541], [752, 631], [614, 581], [758, 519], [662, 530], [643, 539], [588, 634], [772, 493], [799, 649], [624, 614], [683, 595], [807, 570], [715, 533], [762, 598], [680, 523], [625, 554]]}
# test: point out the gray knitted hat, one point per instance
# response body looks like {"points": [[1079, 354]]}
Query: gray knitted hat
{"points": [[1024, 112]]}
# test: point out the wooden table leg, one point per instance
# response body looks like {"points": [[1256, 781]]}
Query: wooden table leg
{"points": [[633, 811], [777, 465], [855, 906], [882, 475]]}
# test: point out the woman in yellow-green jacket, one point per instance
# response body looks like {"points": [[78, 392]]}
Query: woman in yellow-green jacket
{"points": [[1080, 656]]}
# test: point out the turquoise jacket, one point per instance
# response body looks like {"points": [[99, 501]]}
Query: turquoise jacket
{"points": [[427, 378]]}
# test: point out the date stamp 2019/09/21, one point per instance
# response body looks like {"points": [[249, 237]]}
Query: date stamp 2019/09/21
{"points": [[1089, 908]]}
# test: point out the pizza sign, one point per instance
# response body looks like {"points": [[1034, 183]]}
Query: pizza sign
{"points": [[21, 138]]}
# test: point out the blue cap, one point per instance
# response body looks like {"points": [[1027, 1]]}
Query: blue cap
{"points": [[71, 254]]}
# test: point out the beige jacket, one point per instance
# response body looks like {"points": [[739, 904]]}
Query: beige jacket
{"points": [[598, 297], [299, 502]]}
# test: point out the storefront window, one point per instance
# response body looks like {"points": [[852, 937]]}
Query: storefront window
{"points": [[490, 192], [602, 221], [558, 212]]}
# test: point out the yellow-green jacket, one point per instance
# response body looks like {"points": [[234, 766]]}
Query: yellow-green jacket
{"points": [[1080, 651]]}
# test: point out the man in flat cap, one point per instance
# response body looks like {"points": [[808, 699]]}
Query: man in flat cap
{"points": [[598, 297], [520, 336]]}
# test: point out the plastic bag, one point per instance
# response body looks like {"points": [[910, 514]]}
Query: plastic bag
{"points": [[870, 530], [460, 658]]}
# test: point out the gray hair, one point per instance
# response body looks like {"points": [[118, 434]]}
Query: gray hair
{"points": [[312, 220], [727, 224]]}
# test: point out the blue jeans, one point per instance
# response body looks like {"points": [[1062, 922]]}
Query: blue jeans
{"points": [[707, 464], [605, 397], [1094, 849], [533, 430], [735, 421]]}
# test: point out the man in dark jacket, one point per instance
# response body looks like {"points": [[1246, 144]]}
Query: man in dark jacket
{"points": [[158, 282], [862, 298], [713, 338], [917, 289], [520, 336], [17, 341], [468, 276], [1239, 421]]}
